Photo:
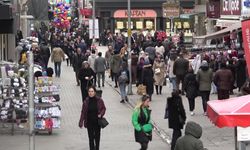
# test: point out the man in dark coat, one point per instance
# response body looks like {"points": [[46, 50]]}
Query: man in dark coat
{"points": [[223, 79], [180, 69], [191, 139], [148, 78], [241, 74], [100, 67], [78, 58]]}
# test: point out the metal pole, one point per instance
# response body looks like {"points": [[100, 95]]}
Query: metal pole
{"points": [[80, 6], [93, 39], [130, 92], [31, 102]]}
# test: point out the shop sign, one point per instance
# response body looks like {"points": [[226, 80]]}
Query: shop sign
{"points": [[231, 7], [136, 13], [246, 41], [213, 9], [245, 8], [171, 10]]}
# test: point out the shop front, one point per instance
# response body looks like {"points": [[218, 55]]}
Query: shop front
{"points": [[141, 19]]}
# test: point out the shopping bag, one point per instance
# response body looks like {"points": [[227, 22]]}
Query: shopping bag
{"points": [[141, 89], [102, 122]]}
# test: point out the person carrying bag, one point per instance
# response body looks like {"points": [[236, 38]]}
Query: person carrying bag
{"points": [[141, 120]]}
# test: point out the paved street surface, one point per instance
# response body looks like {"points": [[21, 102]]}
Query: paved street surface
{"points": [[119, 134]]}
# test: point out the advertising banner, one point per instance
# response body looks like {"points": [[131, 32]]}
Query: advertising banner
{"points": [[231, 7], [170, 10], [245, 8], [246, 41], [213, 9]]}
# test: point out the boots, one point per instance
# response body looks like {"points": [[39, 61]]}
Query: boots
{"points": [[156, 87]]}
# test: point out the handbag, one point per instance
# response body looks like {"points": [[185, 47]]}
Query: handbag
{"points": [[157, 71], [141, 89], [102, 122]]}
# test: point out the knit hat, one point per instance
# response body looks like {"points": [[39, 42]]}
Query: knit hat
{"points": [[204, 63], [146, 62]]}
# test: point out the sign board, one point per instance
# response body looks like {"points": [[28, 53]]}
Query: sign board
{"points": [[245, 8], [243, 134], [213, 9], [231, 7], [96, 29], [136, 13], [246, 41], [170, 10]]}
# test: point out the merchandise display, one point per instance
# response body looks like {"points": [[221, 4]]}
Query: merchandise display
{"points": [[47, 111]]}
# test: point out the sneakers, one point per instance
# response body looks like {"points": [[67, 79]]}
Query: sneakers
{"points": [[20, 126], [126, 99], [122, 101], [192, 113]]}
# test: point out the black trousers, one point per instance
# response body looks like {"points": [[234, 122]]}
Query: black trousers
{"points": [[205, 99], [180, 80], [191, 104], [223, 94], [144, 146], [175, 136], [94, 133]]}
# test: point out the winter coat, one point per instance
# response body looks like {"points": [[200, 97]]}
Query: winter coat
{"points": [[241, 72], [84, 117], [141, 120], [151, 52], [77, 61], [159, 77], [181, 66], [100, 64], [148, 79], [57, 55], [91, 61], [115, 63], [191, 139], [190, 86], [204, 78], [174, 103], [223, 79]]}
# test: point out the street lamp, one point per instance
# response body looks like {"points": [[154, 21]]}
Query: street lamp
{"points": [[130, 92]]}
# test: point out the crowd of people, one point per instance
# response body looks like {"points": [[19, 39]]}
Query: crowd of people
{"points": [[154, 58]]}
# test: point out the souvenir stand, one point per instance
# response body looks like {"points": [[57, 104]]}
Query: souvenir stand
{"points": [[47, 110], [13, 95]]}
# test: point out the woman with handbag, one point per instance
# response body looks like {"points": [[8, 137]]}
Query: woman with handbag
{"points": [[93, 109], [86, 76], [141, 120], [176, 116], [159, 69]]}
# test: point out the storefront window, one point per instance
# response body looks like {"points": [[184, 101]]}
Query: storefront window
{"points": [[119, 25], [168, 25], [186, 25], [177, 25], [139, 25], [149, 25]]}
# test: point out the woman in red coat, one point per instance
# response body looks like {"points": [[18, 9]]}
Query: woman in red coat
{"points": [[93, 108]]}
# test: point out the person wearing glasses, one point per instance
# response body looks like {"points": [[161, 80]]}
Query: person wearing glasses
{"points": [[92, 108]]}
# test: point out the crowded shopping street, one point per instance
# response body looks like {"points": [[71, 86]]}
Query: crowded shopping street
{"points": [[124, 74]]}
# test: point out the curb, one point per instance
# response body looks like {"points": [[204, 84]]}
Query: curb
{"points": [[160, 132]]}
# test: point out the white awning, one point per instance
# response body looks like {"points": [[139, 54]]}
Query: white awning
{"points": [[220, 33]]}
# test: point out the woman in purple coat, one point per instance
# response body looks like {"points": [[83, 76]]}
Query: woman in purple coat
{"points": [[92, 108]]}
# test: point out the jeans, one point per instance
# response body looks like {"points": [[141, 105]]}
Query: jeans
{"points": [[57, 66], [99, 74], [205, 99], [94, 133], [123, 90], [173, 81]]}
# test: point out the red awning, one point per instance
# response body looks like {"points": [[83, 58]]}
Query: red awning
{"points": [[230, 113]]}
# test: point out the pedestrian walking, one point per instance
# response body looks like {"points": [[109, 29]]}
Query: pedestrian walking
{"points": [[176, 116], [141, 120], [93, 108], [57, 57], [115, 65], [204, 78], [100, 67], [223, 80], [180, 69], [159, 69], [123, 80], [170, 66], [191, 89], [191, 139], [86, 76], [78, 58], [148, 78]]}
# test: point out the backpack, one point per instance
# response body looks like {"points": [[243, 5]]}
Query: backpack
{"points": [[123, 78]]}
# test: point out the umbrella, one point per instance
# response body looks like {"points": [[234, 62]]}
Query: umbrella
{"points": [[232, 112]]}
